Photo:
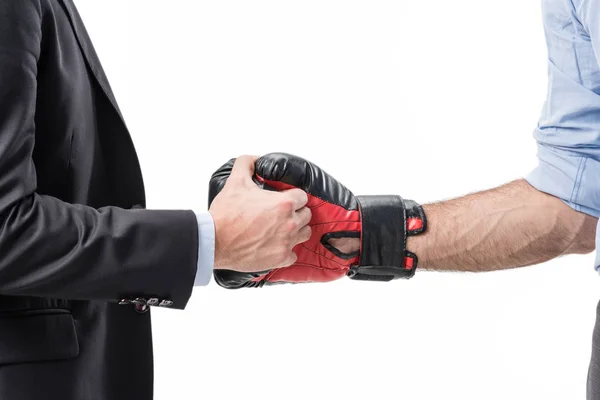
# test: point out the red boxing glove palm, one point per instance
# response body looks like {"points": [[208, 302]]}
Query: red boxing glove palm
{"points": [[380, 223]]}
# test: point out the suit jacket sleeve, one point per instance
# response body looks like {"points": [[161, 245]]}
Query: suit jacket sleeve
{"points": [[49, 248]]}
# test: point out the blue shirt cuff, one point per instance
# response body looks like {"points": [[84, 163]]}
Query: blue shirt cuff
{"points": [[572, 178], [206, 248]]}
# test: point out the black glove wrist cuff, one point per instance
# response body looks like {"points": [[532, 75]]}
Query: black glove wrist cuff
{"points": [[387, 221]]}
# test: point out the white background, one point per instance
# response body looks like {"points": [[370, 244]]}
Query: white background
{"points": [[426, 99]]}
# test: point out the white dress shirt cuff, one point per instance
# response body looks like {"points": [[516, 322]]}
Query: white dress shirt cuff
{"points": [[206, 248]]}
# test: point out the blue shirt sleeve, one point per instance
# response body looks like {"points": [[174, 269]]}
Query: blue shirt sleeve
{"points": [[568, 131], [573, 178], [206, 248], [589, 11]]}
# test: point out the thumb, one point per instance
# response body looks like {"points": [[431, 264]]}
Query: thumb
{"points": [[243, 169]]}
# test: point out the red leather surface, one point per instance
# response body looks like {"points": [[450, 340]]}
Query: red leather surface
{"points": [[315, 262], [413, 224]]}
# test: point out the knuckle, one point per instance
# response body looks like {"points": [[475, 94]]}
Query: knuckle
{"points": [[286, 206], [286, 243], [291, 226]]}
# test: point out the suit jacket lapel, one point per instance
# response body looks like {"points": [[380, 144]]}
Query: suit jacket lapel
{"points": [[136, 183], [89, 52]]}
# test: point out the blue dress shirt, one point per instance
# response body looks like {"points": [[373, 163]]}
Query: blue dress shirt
{"points": [[568, 132], [206, 248]]}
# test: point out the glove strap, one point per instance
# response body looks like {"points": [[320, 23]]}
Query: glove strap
{"points": [[387, 221]]}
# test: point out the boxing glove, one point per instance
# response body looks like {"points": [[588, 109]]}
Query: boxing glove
{"points": [[380, 223]]}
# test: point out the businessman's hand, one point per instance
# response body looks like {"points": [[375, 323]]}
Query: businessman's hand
{"points": [[257, 229]]}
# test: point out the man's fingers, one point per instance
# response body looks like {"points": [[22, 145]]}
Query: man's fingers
{"points": [[290, 260], [303, 216], [243, 169], [304, 234], [298, 197]]}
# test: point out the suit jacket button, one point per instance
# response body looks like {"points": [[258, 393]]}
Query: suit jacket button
{"points": [[152, 301], [166, 303], [139, 300], [141, 308]]}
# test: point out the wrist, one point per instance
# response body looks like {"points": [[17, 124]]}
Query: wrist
{"points": [[219, 260], [387, 223], [419, 244]]}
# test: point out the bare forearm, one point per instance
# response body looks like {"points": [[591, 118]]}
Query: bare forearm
{"points": [[511, 226]]}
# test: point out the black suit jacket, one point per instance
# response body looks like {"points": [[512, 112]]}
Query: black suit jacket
{"points": [[75, 239]]}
